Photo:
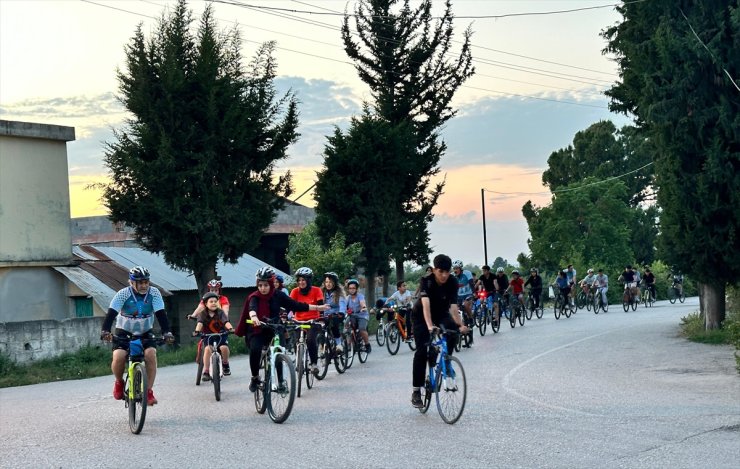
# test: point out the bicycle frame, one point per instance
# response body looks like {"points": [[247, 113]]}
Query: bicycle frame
{"points": [[214, 346]]}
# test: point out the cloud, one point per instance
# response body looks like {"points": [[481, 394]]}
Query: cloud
{"points": [[64, 107]]}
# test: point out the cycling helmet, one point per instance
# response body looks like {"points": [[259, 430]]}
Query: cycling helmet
{"points": [[265, 274], [138, 273], [208, 296], [500, 269], [514, 272], [333, 276], [215, 285], [590, 271], [304, 272], [280, 279], [353, 281], [533, 269], [457, 264]]}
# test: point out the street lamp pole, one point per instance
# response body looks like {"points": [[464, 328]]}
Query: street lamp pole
{"points": [[483, 207]]}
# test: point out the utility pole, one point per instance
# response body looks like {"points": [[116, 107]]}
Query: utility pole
{"points": [[483, 206]]}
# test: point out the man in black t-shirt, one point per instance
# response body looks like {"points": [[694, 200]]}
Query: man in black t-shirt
{"points": [[437, 305]]}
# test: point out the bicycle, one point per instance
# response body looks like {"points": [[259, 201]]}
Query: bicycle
{"points": [[503, 312], [217, 369], [561, 305], [328, 351], [517, 312], [599, 302], [275, 393], [398, 330], [302, 360], [135, 380], [355, 343], [647, 297], [381, 333], [481, 312], [630, 298], [531, 309], [445, 379], [675, 292]]}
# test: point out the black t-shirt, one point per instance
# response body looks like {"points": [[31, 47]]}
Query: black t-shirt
{"points": [[487, 282], [649, 278], [440, 298], [535, 281], [628, 276], [503, 283]]}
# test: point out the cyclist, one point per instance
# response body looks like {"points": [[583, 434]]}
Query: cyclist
{"points": [[677, 281], [280, 284], [427, 271], [134, 309], [304, 292], [649, 280], [213, 321], [502, 283], [337, 301], [535, 283], [601, 282], [485, 282], [465, 281], [263, 305], [630, 285], [572, 276], [404, 300], [516, 286], [360, 315], [214, 286], [435, 306], [587, 281], [563, 284]]}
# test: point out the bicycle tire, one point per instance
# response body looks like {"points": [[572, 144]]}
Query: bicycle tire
{"points": [[380, 334], [216, 374], [362, 352], [556, 307], [136, 398], [528, 311], [605, 307], [495, 324], [300, 361], [478, 315], [625, 305], [672, 295], [589, 302], [393, 341], [540, 311], [682, 297], [260, 400], [512, 316], [426, 394], [522, 315], [634, 304], [451, 400], [280, 400], [350, 349], [483, 323], [597, 304], [324, 356], [567, 310], [199, 361]]}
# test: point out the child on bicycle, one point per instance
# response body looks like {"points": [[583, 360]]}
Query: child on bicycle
{"points": [[516, 286], [337, 301], [404, 300], [564, 285], [357, 311], [264, 305], [213, 320]]}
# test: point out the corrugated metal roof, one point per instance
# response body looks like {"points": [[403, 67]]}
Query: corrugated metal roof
{"points": [[100, 292], [239, 275], [77, 251]]}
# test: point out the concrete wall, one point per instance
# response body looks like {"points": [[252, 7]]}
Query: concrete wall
{"points": [[36, 340], [34, 293], [34, 194]]}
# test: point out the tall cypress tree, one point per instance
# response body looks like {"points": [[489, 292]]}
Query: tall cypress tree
{"points": [[403, 56], [677, 59], [193, 170]]}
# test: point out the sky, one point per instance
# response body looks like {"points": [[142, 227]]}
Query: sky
{"points": [[539, 80]]}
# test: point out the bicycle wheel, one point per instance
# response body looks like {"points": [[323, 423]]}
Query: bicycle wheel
{"points": [[672, 295], [556, 307], [199, 361], [512, 316], [605, 307], [453, 392], [339, 359], [589, 302], [682, 297], [136, 398], [634, 304], [300, 369], [540, 311], [216, 374], [495, 323], [580, 299], [483, 321], [393, 341], [362, 352], [529, 310], [426, 395], [412, 343], [567, 309], [350, 348], [380, 334], [521, 315], [280, 396], [260, 401], [625, 303], [324, 356], [597, 303]]}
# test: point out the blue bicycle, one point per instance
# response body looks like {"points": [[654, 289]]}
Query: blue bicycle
{"points": [[446, 379]]}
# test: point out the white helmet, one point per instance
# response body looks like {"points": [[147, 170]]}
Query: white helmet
{"points": [[500, 269], [590, 271], [457, 264]]}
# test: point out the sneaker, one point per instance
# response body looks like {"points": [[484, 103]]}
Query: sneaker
{"points": [[368, 348], [118, 390], [227, 369], [416, 399], [339, 348], [206, 376], [150, 399], [254, 383], [314, 370]]}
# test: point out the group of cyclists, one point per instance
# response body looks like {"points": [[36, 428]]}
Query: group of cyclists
{"points": [[444, 296]]}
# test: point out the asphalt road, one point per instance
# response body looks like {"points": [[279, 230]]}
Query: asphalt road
{"points": [[609, 390]]}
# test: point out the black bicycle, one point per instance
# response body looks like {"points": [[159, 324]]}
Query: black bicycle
{"points": [[328, 351], [212, 342]]}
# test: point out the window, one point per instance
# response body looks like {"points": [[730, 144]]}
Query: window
{"points": [[83, 307]]}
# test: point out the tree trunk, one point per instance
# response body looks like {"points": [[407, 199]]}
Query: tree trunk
{"points": [[385, 286], [712, 301], [400, 273], [203, 276], [370, 291]]}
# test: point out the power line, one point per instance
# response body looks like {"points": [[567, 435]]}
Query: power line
{"points": [[558, 191]]}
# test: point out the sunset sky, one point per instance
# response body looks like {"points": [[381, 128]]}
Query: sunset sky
{"points": [[538, 82]]}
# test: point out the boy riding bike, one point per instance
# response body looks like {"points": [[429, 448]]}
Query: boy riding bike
{"points": [[213, 320]]}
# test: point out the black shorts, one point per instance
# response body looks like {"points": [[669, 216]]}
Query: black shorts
{"points": [[121, 340]]}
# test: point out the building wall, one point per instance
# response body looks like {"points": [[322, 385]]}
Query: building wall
{"points": [[35, 340], [32, 294], [34, 194]]}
